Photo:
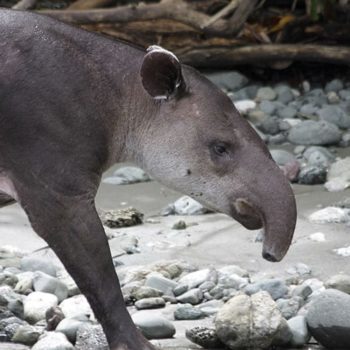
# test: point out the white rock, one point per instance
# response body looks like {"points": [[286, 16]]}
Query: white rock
{"points": [[318, 237], [194, 279], [343, 251], [245, 105], [76, 306], [127, 175], [25, 281], [53, 341], [330, 215], [338, 177], [36, 304]]}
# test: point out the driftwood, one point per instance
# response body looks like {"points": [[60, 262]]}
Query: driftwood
{"points": [[264, 54], [25, 5], [211, 33]]}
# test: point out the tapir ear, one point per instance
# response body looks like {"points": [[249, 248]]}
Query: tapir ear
{"points": [[161, 73]]}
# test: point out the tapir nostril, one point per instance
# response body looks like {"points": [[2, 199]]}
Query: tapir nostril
{"points": [[269, 257]]}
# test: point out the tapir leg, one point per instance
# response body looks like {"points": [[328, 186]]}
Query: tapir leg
{"points": [[72, 228]]}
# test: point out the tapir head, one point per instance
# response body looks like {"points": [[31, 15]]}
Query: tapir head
{"points": [[198, 144]]}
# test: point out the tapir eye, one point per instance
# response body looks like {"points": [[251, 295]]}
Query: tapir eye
{"points": [[219, 149]]}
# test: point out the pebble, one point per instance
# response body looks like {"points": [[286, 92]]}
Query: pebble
{"points": [[300, 332], [267, 107], [318, 237], [289, 307], [282, 157], [345, 251], [338, 177], [330, 215], [91, 337], [43, 282], [334, 85], [244, 106], [185, 206], [204, 337], [36, 304], [312, 175], [193, 296], [25, 282], [277, 288], [150, 303], [153, 326], [287, 112], [158, 282], [270, 125], [196, 278], [188, 312], [146, 292], [230, 81], [314, 133], [335, 115], [210, 307], [284, 94], [248, 321], [53, 341], [126, 176], [32, 263], [320, 156], [27, 335], [333, 98], [69, 327], [266, 93], [340, 282], [328, 319], [76, 306]]}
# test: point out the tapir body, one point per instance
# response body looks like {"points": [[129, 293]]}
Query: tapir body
{"points": [[72, 103]]}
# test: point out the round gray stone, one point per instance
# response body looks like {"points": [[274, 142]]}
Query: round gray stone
{"points": [[314, 133], [328, 319]]}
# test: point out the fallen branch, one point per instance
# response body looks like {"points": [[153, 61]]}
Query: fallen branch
{"points": [[25, 5], [227, 10], [89, 4], [216, 57]]}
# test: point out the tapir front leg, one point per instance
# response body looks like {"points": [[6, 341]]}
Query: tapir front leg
{"points": [[73, 230]]}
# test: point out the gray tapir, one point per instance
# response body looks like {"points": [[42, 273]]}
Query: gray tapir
{"points": [[72, 103]]}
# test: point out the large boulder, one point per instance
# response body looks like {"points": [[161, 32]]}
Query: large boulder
{"points": [[248, 322], [328, 319]]}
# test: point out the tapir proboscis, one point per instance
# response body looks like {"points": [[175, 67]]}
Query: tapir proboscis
{"points": [[72, 103]]}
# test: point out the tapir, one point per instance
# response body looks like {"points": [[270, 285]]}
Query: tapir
{"points": [[73, 103]]}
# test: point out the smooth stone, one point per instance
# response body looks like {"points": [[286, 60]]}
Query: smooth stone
{"points": [[210, 307], [314, 133], [185, 206], [188, 312], [53, 341], [256, 116], [338, 177], [344, 95], [283, 336], [340, 282], [284, 94], [318, 237], [277, 288], [334, 85], [193, 296], [76, 306], [232, 281], [300, 332], [248, 321], [244, 106], [345, 140], [319, 156], [277, 139], [25, 282], [32, 263], [333, 97], [312, 175], [27, 335], [9, 346], [180, 289], [289, 307], [10, 325], [328, 319], [335, 115], [266, 93], [196, 278], [267, 107], [232, 270], [205, 337], [230, 81], [8, 279], [308, 109], [282, 157], [126, 176], [330, 215], [69, 327], [36, 304], [153, 326], [91, 337], [150, 303], [345, 251], [146, 292], [287, 112], [270, 125], [43, 282]]}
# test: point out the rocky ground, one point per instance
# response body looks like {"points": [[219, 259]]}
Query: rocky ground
{"points": [[192, 278]]}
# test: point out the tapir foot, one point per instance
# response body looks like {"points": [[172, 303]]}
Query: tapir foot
{"points": [[133, 343]]}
